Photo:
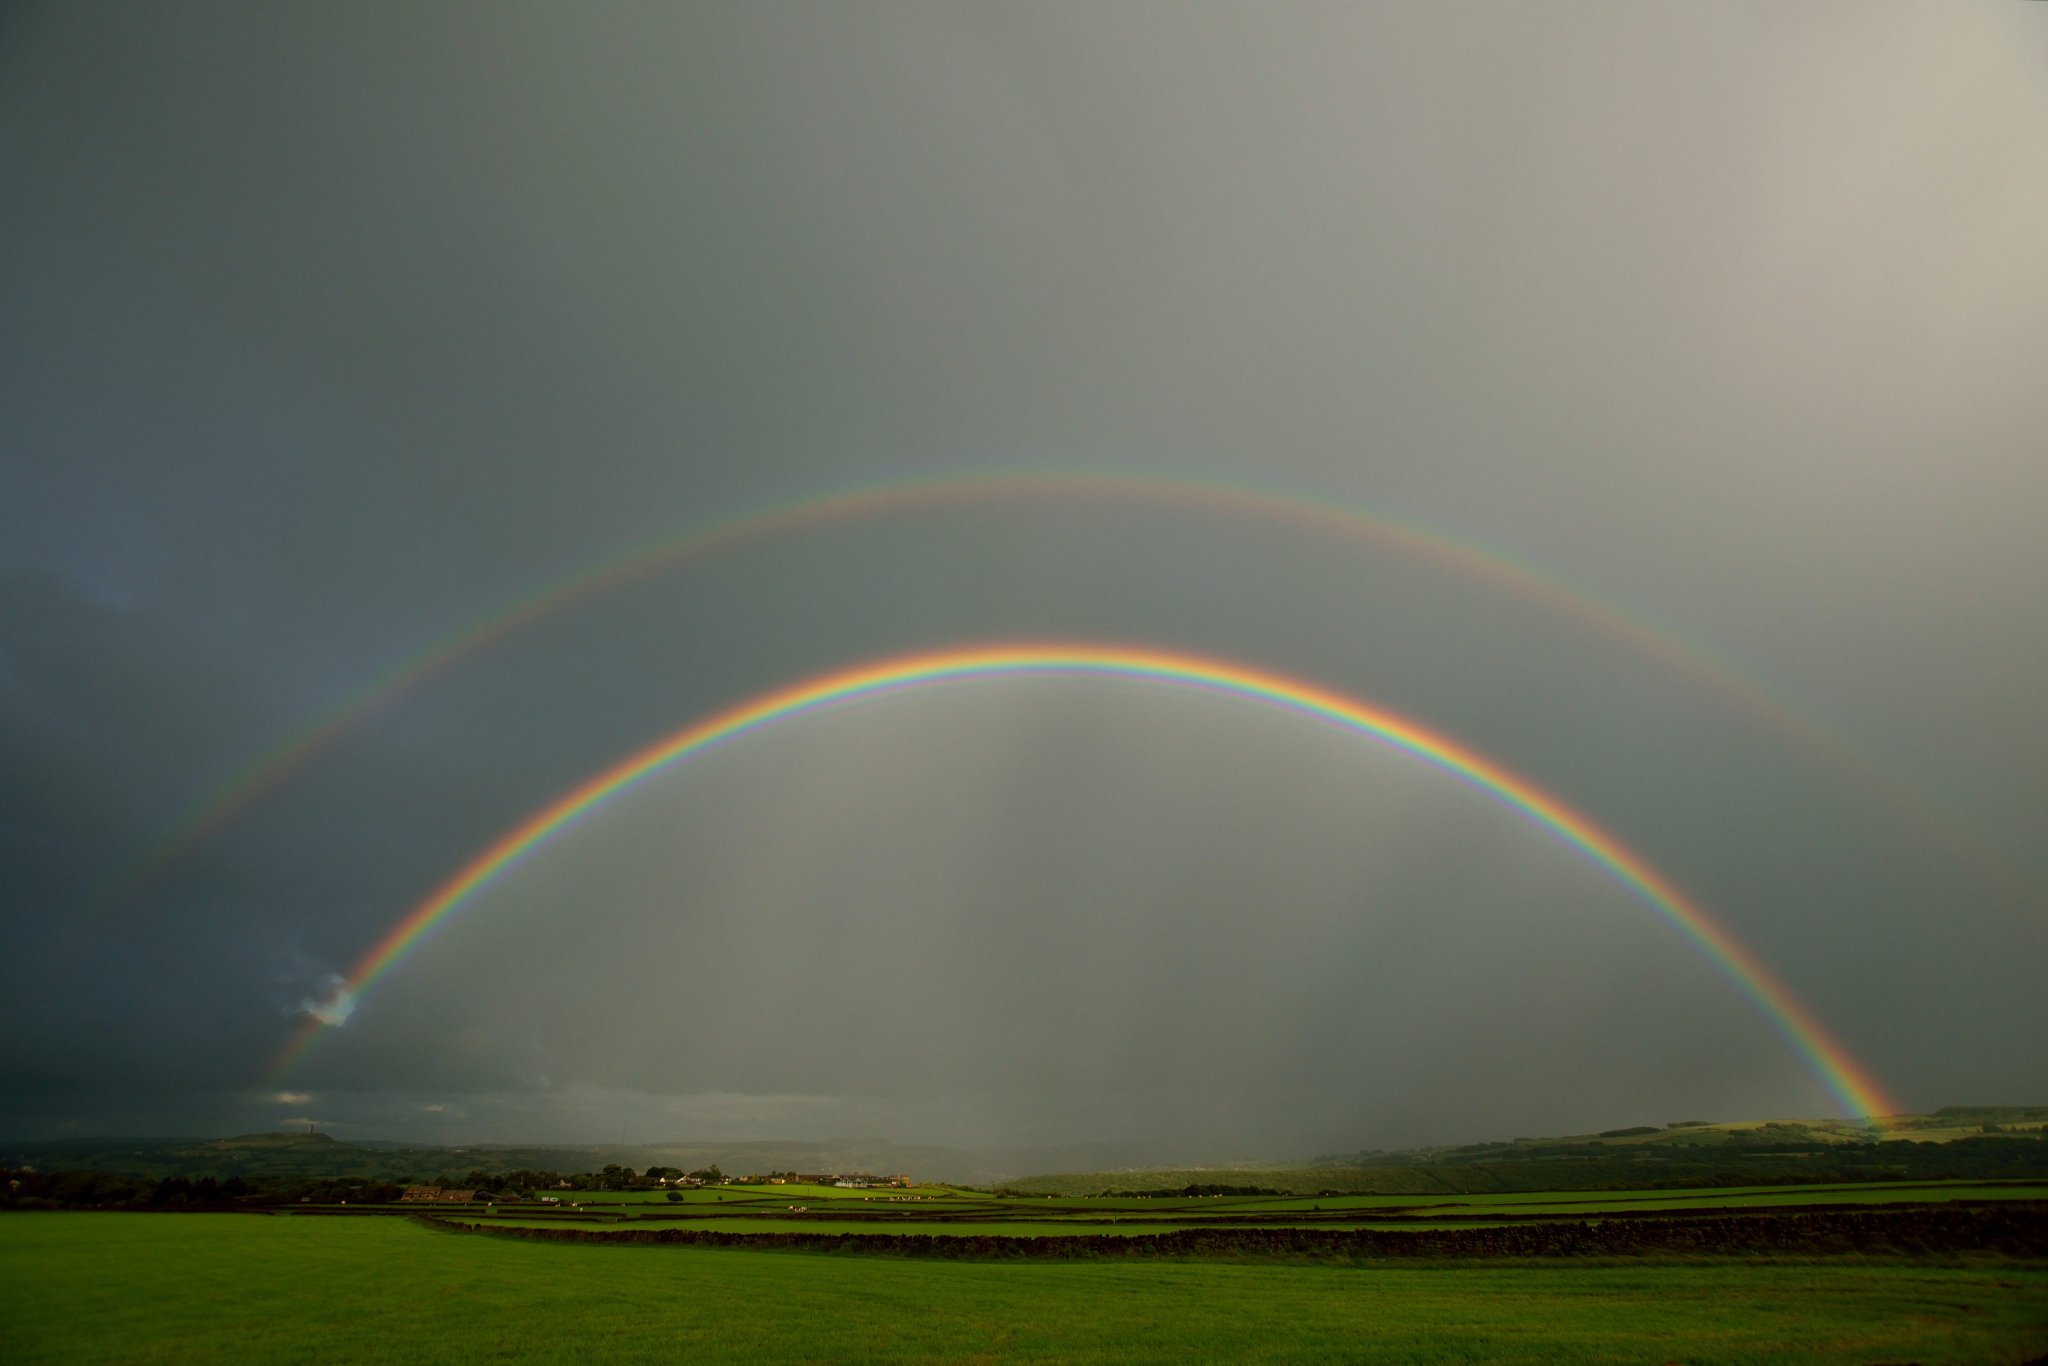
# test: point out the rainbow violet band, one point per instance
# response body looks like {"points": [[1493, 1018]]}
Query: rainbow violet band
{"points": [[1856, 1090], [270, 769]]}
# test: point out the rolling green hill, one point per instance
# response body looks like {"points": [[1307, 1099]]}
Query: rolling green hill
{"points": [[1956, 1141], [322, 1156]]}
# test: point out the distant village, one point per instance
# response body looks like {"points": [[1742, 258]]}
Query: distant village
{"points": [[615, 1177]]}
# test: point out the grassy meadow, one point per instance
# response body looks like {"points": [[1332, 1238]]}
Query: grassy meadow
{"points": [[117, 1287]]}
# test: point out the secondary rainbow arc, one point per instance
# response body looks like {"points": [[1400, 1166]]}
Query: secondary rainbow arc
{"points": [[270, 769], [1853, 1086]]}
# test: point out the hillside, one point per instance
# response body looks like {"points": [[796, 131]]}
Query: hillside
{"points": [[1961, 1141], [319, 1155], [1765, 1135], [1956, 1141], [246, 1155]]}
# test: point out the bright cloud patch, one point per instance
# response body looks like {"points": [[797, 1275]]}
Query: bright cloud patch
{"points": [[334, 1006]]}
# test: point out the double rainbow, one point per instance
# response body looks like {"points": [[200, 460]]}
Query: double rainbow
{"points": [[270, 769], [1854, 1088]]}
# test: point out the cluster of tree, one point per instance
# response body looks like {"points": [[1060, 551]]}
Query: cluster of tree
{"points": [[27, 1187], [536, 1181], [615, 1177], [31, 1189]]}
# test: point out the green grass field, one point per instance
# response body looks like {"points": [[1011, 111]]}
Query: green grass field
{"points": [[158, 1287]]}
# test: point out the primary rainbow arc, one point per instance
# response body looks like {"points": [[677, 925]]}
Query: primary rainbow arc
{"points": [[1853, 1086]]}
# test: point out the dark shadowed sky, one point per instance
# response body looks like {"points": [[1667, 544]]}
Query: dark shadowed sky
{"points": [[326, 332]]}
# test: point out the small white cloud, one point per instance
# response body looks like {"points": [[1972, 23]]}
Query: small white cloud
{"points": [[435, 1109], [334, 1006], [293, 1097]]}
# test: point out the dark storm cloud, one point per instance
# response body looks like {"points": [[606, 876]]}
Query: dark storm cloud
{"points": [[330, 332]]}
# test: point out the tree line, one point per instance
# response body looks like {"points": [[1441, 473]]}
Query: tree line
{"points": [[30, 1188]]}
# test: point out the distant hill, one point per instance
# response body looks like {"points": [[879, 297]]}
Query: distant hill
{"points": [[1956, 1141], [1756, 1135], [1989, 1141], [321, 1155], [274, 1154]]}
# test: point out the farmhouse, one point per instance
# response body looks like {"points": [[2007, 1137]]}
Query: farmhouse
{"points": [[437, 1195]]}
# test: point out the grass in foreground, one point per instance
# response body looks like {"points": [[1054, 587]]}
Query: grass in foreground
{"points": [[151, 1287]]}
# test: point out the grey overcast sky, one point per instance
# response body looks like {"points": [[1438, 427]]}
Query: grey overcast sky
{"points": [[330, 330]]}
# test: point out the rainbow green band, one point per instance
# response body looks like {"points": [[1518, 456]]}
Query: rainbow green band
{"points": [[1849, 1082], [274, 766]]}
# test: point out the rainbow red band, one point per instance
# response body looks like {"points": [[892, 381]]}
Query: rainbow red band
{"points": [[1855, 1089]]}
